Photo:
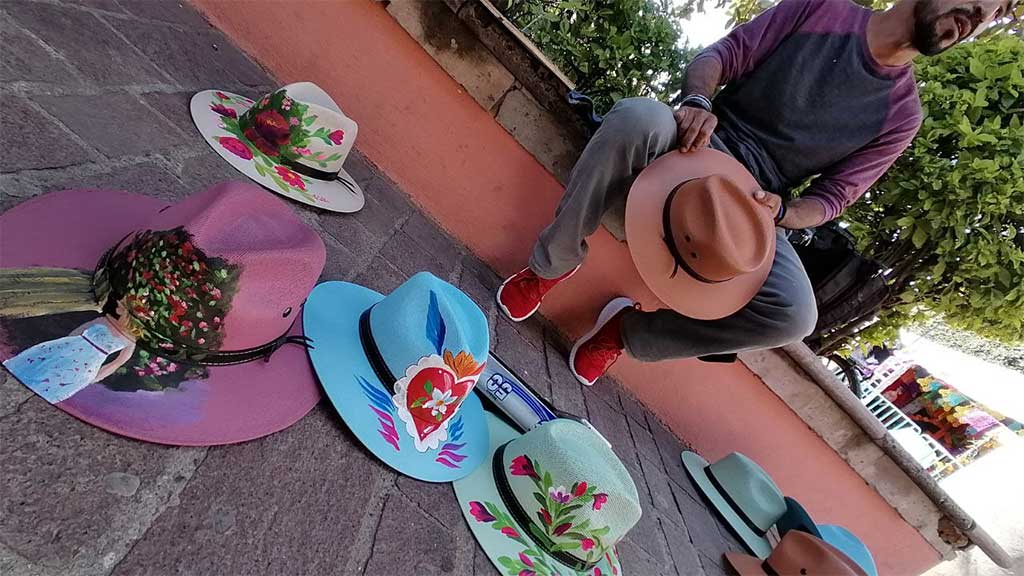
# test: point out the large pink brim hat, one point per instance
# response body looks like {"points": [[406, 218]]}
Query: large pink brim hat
{"points": [[645, 236], [73, 229]]}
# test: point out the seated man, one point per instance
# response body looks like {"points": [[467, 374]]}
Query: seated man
{"points": [[812, 87]]}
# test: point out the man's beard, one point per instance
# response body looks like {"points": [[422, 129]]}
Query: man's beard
{"points": [[927, 39]]}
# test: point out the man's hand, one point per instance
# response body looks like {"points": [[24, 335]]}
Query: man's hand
{"points": [[769, 199], [695, 127]]}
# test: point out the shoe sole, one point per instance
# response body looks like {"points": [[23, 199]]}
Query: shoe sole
{"points": [[610, 310], [505, 311]]}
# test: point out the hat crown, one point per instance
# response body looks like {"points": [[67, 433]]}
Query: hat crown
{"points": [[403, 330], [801, 553], [302, 124], [434, 340], [750, 489], [576, 493], [719, 229], [225, 269]]}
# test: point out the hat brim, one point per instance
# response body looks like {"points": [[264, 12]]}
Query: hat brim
{"points": [[364, 403], [848, 543], [644, 235], [199, 407], [696, 468], [745, 565], [341, 195], [503, 549]]}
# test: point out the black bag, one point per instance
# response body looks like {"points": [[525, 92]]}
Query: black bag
{"points": [[847, 286]]}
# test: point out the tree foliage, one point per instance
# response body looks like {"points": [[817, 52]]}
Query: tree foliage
{"points": [[610, 48], [948, 217]]}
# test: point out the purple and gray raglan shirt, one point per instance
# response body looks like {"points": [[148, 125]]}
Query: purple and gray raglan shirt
{"points": [[803, 96]]}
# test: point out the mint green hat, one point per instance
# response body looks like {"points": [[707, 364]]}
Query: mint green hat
{"points": [[742, 493], [555, 500]]}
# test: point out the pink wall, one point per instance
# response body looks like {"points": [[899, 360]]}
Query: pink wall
{"points": [[458, 164]]}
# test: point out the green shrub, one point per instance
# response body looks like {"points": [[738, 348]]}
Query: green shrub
{"points": [[948, 217], [610, 48]]}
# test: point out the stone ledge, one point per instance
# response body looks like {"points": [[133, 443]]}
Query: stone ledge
{"points": [[503, 71]]}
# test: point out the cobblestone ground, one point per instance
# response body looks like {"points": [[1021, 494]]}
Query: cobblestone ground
{"points": [[95, 94]]}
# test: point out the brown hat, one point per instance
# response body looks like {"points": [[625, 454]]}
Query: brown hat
{"points": [[797, 553], [700, 240]]}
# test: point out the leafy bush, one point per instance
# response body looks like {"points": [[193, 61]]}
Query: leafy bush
{"points": [[611, 49]]}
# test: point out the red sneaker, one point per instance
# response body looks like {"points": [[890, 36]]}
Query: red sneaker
{"points": [[595, 353], [519, 297]]}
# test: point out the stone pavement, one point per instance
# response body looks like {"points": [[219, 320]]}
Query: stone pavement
{"points": [[95, 94]]}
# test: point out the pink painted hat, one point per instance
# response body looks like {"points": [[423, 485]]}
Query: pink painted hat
{"points": [[174, 324]]}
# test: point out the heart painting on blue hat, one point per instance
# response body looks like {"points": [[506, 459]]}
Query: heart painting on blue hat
{"points": [[400, 370]]}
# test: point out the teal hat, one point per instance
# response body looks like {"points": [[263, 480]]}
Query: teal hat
{"points": [[400, 370], [742, 493], [555, 500]]}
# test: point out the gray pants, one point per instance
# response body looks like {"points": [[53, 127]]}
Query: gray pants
{"points": [[634, 133]]}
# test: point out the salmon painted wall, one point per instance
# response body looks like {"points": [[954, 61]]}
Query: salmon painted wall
{"points": [[458, 164]]}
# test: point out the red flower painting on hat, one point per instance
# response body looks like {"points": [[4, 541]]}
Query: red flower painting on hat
{"points": [[431, 391]]}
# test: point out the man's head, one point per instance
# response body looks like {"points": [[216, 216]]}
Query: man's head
{"points": [[942, 24]]}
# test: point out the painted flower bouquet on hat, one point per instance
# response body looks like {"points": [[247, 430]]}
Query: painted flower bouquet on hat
{"points": [[146, 319]]}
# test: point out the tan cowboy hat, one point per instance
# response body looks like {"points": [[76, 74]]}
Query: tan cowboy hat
{"points": [[797, 553], [700, 240]]}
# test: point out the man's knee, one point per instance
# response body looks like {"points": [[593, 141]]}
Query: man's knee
{"points": [[642, 118], [797, 320]]}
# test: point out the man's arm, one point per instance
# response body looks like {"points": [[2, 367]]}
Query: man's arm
{"points": [[742, 50], [845, 181]]}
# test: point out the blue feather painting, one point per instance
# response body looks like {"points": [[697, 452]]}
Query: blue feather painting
{"points": [[435, 324]]}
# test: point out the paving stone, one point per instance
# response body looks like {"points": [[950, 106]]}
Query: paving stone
{"points": [[566, 392], [475, 288], [633, 408], [684, 555], [521, 355], [12, 393], [613, 427], [607, 390], [86, 43], [409, 257], [408, 541], [713, 567], [242, 68], [648, 536], [29, 140], [482, 565], [436, 500], [188, 56], [146, 178], [174, 107], [381, 214], [297, 512], [432, 239], [107, 5], [53, 504], [381, 276], [25, 59], [103, 121], [635, 560], [643, 441], [703, 527], [670, 449], [202, 171], [360, 243], [171, 11], [661, 492]]}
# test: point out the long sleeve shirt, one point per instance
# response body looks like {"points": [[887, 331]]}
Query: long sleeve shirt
{"points": [[804, 97]]}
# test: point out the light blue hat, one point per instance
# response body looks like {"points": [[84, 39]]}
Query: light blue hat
{"points": [[742, 493], [400, 370]]}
